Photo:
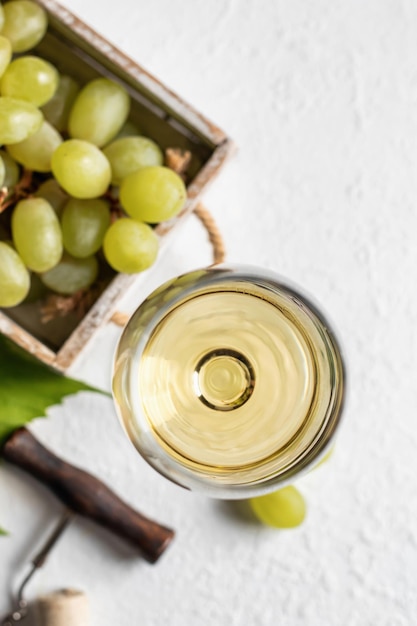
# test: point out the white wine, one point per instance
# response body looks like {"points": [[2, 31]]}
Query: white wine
{"points": [[229, 380], [235, 389]]}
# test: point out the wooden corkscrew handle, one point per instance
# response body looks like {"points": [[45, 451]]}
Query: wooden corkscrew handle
{"points": [[86, 495]]}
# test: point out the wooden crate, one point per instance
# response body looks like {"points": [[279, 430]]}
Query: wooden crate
{"points": [[76, 49]]}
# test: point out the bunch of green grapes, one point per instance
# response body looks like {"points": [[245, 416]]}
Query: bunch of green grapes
{"points": [[78, 144]]}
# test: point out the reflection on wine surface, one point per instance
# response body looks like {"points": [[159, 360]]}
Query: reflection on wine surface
{"points": [[228, 380]]}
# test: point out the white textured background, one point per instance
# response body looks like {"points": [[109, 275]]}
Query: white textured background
{"points": [[321, 98]]}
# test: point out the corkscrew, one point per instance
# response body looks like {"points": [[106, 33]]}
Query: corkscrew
{"points": [[82, 494], [20, 603]]}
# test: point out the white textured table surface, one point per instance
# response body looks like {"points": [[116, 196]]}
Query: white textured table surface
{"points": [[321, 98]]}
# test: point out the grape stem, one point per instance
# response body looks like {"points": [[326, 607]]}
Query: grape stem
{"points": [[3, 195], [79, 303], [116, 211], [22, 189], [24, 184], [178, 160]]}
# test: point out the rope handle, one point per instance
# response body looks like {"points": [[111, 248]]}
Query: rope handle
{"points": [[214, 234], [215, 237]]}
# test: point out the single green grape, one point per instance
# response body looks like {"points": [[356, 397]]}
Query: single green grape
{"points": [[71, 275], [153, 194], [30, 79], [99, 111], [2, 172], [128, 154], [18, 120], [81, 169], [14, 277], [130, 246], [37, 234], [52, 193], [5, 54], [25, 24], [11, 170], [57, 109], [284, 508], [36, 151], [84, 224]]}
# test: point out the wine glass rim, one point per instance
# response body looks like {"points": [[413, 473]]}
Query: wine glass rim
{"points": [[196, 479]]}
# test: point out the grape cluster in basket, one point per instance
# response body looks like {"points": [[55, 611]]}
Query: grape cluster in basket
{"points": [[68, 154]]}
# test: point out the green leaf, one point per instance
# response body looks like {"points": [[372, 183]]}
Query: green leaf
{"points": [[3, 532], [28, 387]]}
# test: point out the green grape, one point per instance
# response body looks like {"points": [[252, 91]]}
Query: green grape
{"points": [[5, 53], [36, 151], [284, 508], [130, 246], [99, 112], [153, 194], [12, 170], [128, 154], [18, 120], [52, 193], [71, 275], [37, 234], [14, 277], [31, 79], [81, 169], [2, 172], [57, 109], [84, 223], [25, 24]]}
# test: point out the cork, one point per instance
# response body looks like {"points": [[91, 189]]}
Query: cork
{"points": [[66, 607]]}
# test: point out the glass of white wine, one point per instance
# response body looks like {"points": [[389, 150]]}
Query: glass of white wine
{"points": [[229, 381]]}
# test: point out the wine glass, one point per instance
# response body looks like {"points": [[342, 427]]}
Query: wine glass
{"points": [[228, 380]]}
